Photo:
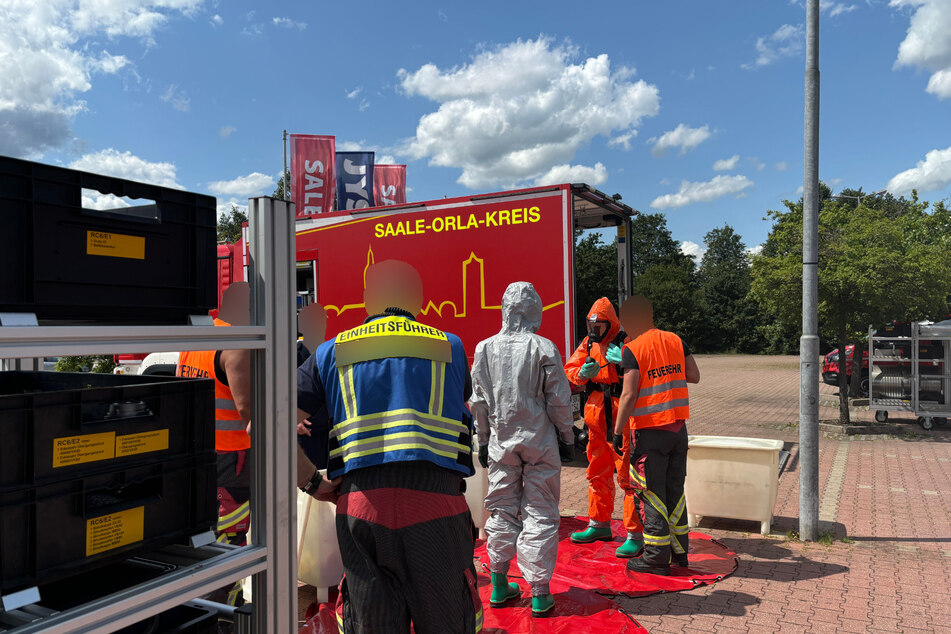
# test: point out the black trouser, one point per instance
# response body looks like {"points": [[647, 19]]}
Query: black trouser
{"points": [[659, 466], [406, 542]]}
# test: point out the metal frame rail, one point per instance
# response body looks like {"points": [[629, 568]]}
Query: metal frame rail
{"points": [[270, 558]]}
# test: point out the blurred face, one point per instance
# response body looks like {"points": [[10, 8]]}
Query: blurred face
{"points": [[312, 324], [637, 315], [236, 304], [393, 284]]}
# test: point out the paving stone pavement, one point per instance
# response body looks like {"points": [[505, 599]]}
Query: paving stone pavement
{"points": [[885, 501]]}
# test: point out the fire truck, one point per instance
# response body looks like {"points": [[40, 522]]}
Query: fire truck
{"points": [[467, 251]]}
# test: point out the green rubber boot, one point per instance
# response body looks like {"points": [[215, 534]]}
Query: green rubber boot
{"points": [[542, 605], [593, 534], [630, 548], [502, 590]]}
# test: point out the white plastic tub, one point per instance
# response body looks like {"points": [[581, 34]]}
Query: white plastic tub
{"points": [[318, 554], [730, 477]]}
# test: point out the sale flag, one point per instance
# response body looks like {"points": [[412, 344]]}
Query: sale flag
{"points": [[389, 184], [312, 174], [354, 180]]}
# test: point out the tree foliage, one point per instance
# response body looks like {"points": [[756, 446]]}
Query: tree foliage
{"points": [[100, 364], [229, 225], [596, 275], [723, 279]]}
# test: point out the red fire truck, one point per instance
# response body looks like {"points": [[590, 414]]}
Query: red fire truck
{"points": [[467, 250]]}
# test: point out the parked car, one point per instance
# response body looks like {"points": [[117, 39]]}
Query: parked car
{"points": [[830, 367]]}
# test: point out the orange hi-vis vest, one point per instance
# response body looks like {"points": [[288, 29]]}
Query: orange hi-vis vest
{"points": [[662, 391], [230, 431]]}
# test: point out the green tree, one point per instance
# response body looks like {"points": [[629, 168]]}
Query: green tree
{"points": [[873, 267], [723, 281], [283, 184], [100, 364], [596, 275], [672, 291], [229, 225], [652, 243]]}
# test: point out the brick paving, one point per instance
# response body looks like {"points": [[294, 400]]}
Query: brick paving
{"points": [[887, 496]]}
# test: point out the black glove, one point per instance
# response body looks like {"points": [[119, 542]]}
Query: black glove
{"points": [[618, 444], [567, 451], [484, 456]]}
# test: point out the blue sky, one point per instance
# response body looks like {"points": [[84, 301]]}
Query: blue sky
{"points": [[690, 108]]}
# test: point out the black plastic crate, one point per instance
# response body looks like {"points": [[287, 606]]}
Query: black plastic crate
{"points": [[188, 618], [152, 263], [63, 425], [57, 530]]}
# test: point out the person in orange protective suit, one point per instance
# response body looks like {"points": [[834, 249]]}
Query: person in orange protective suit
{"points": [[596, 365]]}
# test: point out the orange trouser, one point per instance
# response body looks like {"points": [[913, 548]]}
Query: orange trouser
{"points": [[602, 465]]}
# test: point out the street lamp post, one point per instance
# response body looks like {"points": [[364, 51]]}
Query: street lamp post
{"points": [[859, 199]]}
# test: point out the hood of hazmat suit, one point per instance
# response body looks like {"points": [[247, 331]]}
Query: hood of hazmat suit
{"points": [[521, 403]]}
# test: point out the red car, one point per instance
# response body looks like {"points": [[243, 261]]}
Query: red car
{"points": [[830, 367]]}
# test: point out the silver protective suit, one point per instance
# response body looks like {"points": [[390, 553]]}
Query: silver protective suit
{"points": [[521, 403]]}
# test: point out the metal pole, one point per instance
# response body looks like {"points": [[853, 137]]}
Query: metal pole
{"points": [[284, 175], [809, 343]]}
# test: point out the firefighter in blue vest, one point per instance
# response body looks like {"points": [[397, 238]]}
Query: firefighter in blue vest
{"points": [[400, 443]]}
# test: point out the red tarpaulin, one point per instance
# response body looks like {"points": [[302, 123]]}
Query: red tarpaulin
{"points": [[389, 185], [312, 174], [595, 567]]}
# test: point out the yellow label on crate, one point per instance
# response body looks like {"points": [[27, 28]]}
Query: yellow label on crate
{"points": [[115, 245], [115, 530], [144, 442], [73, 450]]}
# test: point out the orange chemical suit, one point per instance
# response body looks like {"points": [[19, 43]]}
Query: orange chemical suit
{"points": [[602, 461]]}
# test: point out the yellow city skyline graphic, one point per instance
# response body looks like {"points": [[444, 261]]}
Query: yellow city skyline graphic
{"points": [[438, 308]]}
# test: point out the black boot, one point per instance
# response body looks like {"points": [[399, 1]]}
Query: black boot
{"points": [[639, 565]]}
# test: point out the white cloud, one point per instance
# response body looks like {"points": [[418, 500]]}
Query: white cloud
{"points": [[517, 110], [727, 164], [384, 159], [353, 94], [753, 251], [243, 186], [786, 41], [288, 23], [364, 104], [931, 174], [664, 181], [225, 131], [693, 250], [781, 166], [112, 162], [177, 98], [442, 16], [573, 174], [49, 54], [927, 45], [682, 137], [835, 8], [217, 20], [623, 140], [224, 206], [689, 192], [758, 164]]}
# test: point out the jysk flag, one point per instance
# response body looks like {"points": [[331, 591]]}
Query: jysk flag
{"points": [[354, 180], [312, 174], [389, 184]]}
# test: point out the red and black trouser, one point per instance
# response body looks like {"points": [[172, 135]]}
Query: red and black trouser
{"points": [[405, 537], [234, 510], [658, 470]]}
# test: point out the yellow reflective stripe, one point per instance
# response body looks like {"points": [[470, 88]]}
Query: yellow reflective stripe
{"points": [[439, 382], [432, 392], [676, 547], [680, 530], [233, 595], [339, 622], [678, 511], [656, 540], [338, 429], [368, 452], [242, 511], [222, 538], [480, 616], [638, 478], [345, 390], [654, 501], [390, 425], [384, 443], [353, 391]]}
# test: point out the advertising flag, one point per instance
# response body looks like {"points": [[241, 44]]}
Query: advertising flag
{"points": [[389, 184], [312, 174], [354, 180]]}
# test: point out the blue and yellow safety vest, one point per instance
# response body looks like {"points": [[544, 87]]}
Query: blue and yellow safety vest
{"points": [[395, 393]]}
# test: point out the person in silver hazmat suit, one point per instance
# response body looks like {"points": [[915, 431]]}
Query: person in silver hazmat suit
{"points": [[521, 403]]}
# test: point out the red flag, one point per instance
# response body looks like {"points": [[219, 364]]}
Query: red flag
{"points": [[389, 185], [312, 174]]}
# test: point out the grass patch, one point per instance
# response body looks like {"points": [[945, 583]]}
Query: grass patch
{"points": [[847, 540], [827, 538], [792, 536]]}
